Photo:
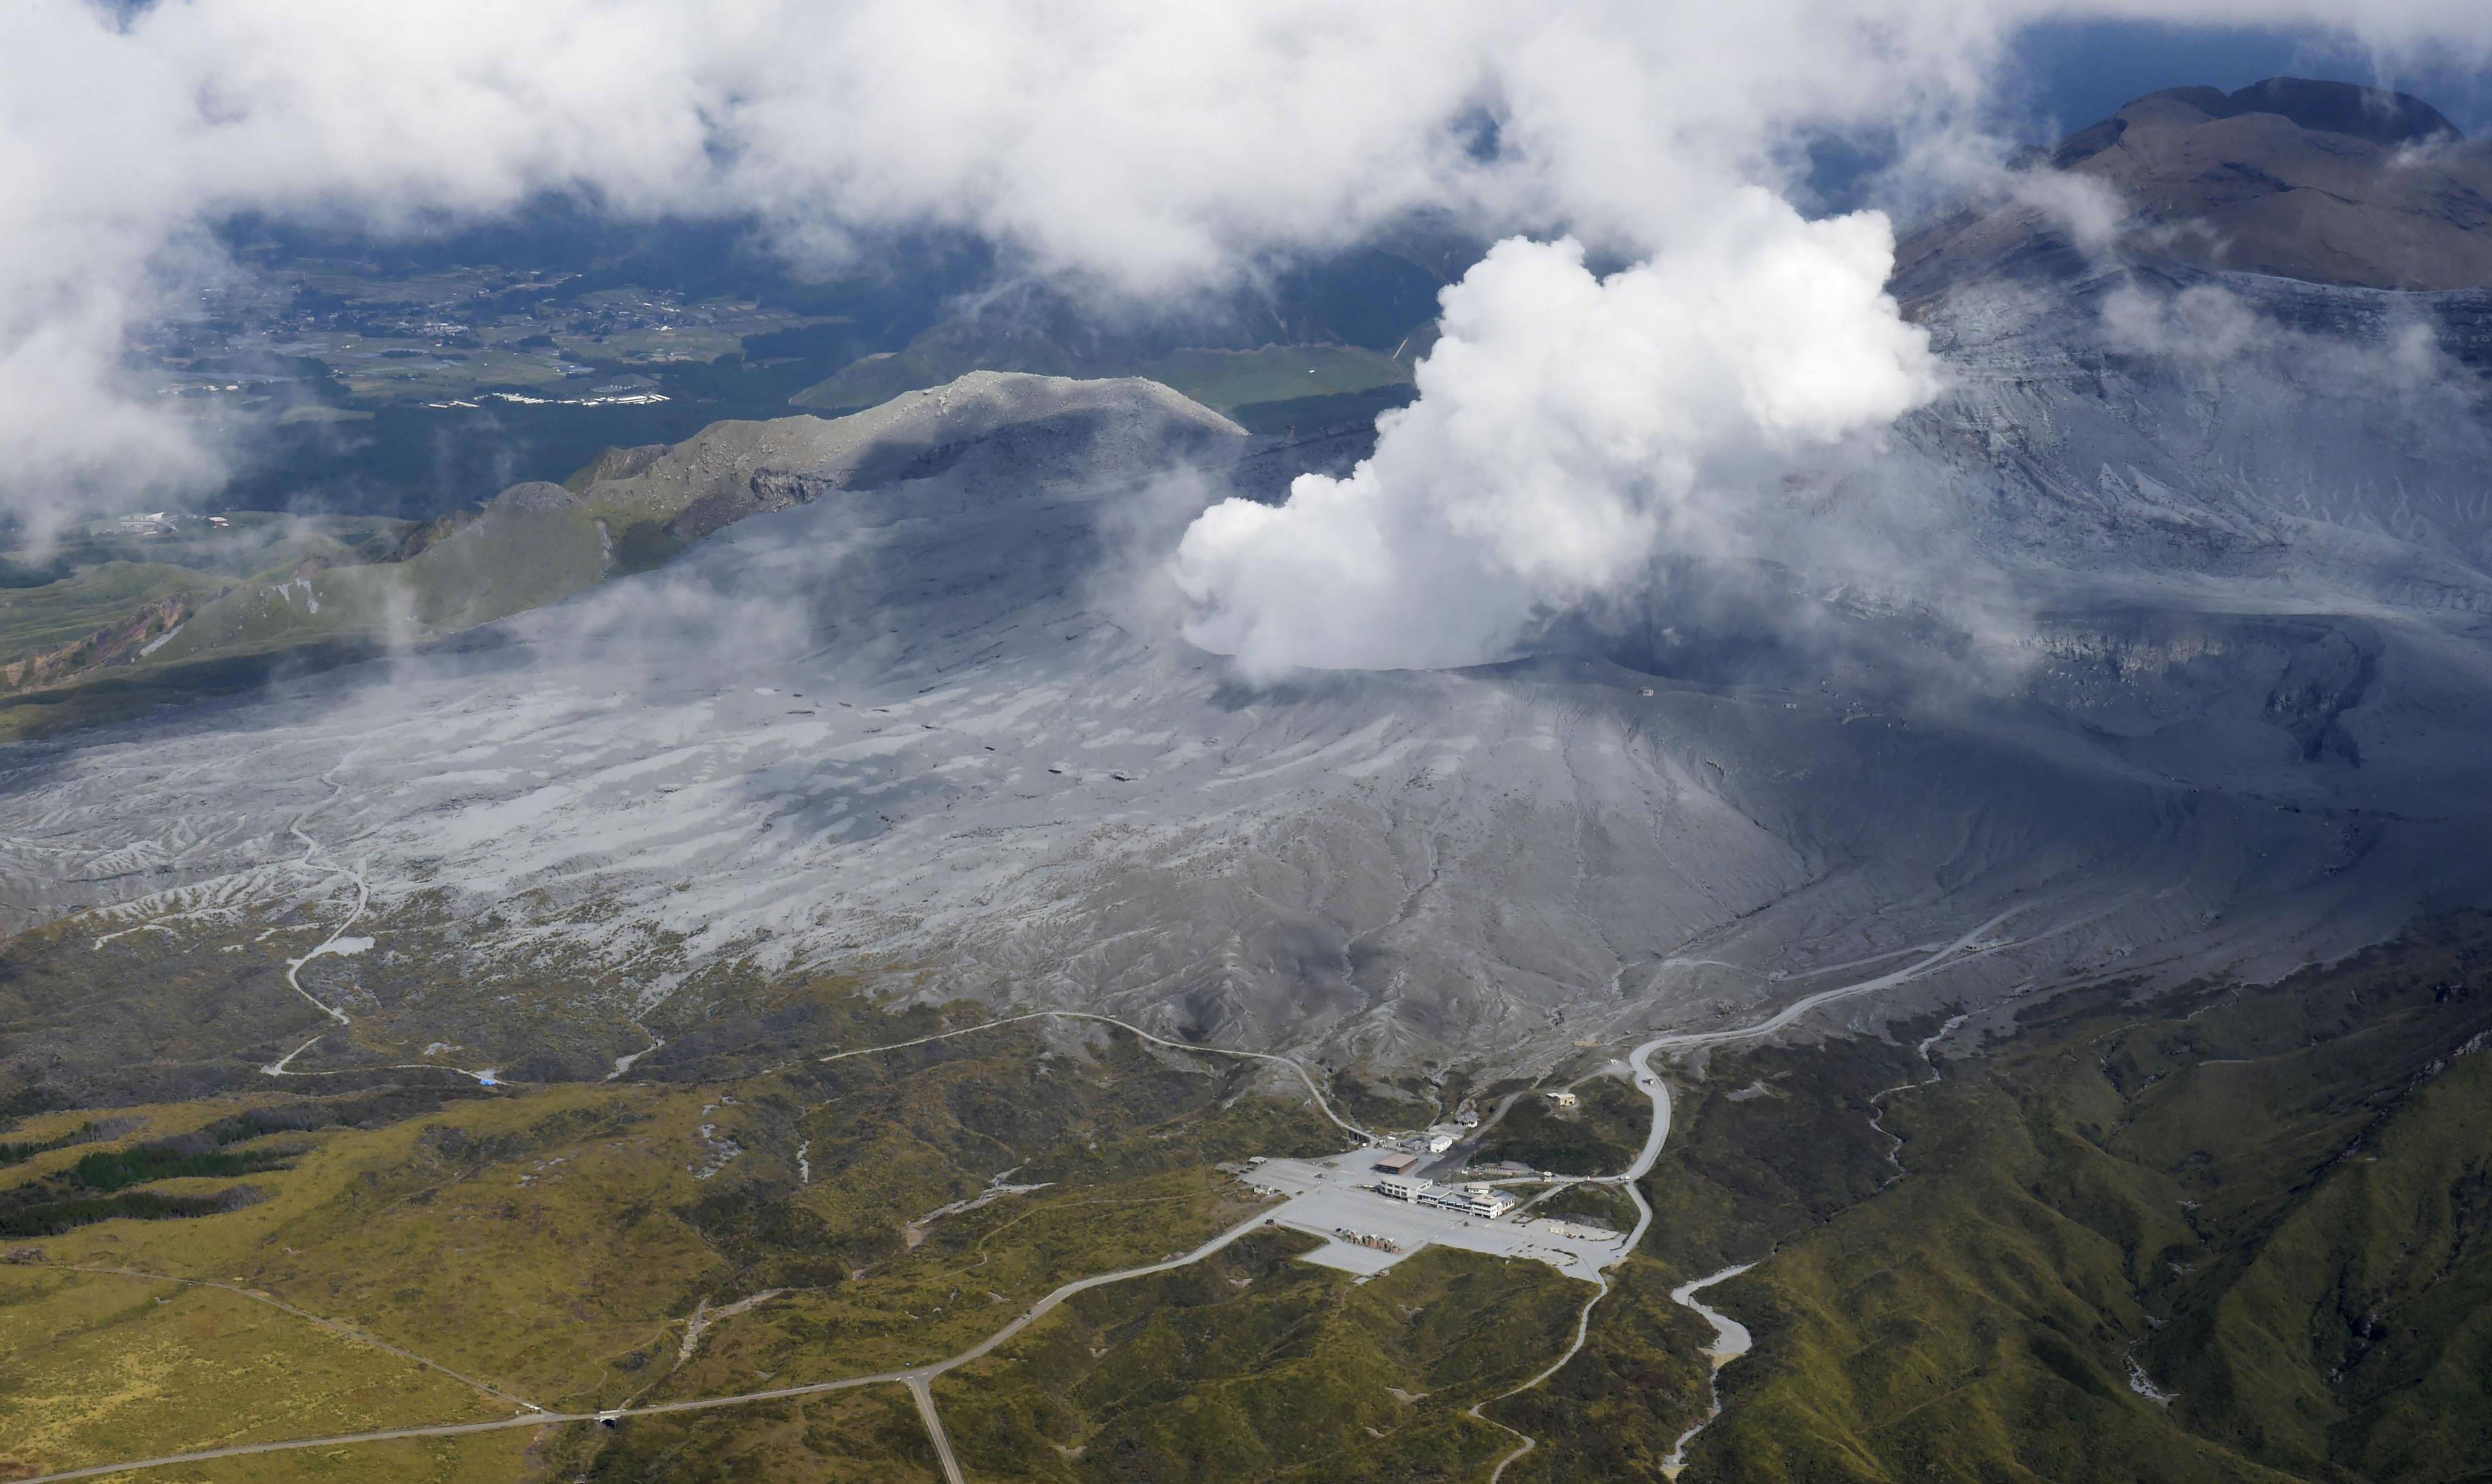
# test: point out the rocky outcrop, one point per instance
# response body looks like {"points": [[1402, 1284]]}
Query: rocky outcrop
{"points": [[116, 644]]}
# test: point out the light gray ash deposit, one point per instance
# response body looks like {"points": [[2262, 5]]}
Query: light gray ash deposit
{"points": [[923, 715]]}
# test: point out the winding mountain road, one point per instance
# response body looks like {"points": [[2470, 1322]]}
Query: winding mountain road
{"points": [[336, 942], [1649, 1083], [919, 1380]]}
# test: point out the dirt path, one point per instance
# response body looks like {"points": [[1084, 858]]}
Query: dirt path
{"points": [[1973, 943], [332, 944], [1322, 1102], [919, 1380], [333, 1326]]}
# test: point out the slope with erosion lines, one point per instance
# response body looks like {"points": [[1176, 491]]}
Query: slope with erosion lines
{"points": [[2230, 401], [941, 730]]}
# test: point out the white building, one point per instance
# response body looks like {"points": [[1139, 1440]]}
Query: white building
{"points": [[1469, 1200]]}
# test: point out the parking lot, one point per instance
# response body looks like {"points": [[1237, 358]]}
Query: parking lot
{"points": [[1327, 1196]]}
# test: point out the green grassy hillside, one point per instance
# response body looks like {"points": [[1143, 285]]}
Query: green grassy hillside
{"points": [[2227, 1234], [34, 620], [506, 562], [1249, 1366], [555, 1241], [2266, 1206], [1598, 1136], [1616, 1410]]}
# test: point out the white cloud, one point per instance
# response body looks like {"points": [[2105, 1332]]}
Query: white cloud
{"points": [[1568, 428], [2201, 323], [2208, 329], [1141, 147]]}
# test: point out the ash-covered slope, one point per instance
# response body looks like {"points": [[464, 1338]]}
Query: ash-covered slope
{"points": [[935, 727], [2235, 437], [910, 703], [2128, 414]]}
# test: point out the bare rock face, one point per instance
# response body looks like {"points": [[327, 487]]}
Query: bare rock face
{"points": [[112, 645], [536, 497], [2270, 379]]}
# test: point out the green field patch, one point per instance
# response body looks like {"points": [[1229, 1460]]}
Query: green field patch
{"points": [[37, 619], [498, 1457], [962, 1284], [102, 1367], [139, 1164], [1223, 379], [1604, 1206], [559, 1240], [1348, 409], [100, 1186], [1253, 1366], [19, 1151]]}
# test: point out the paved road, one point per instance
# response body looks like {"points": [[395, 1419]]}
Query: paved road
{"points": [[923, 1394], [1650, 1083], [919, 1378]]}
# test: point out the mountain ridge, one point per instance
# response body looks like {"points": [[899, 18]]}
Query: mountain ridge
{"points": [[2324, 182]]}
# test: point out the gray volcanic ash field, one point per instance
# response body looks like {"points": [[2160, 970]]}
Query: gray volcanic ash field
{"points": [[933, 724]]}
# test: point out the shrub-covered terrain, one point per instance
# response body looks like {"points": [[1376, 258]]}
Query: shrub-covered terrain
{"points": [[2226, 1233], [2229, 1234]]}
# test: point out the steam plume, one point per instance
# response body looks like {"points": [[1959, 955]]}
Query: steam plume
{"points": [[1568, 427]]}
